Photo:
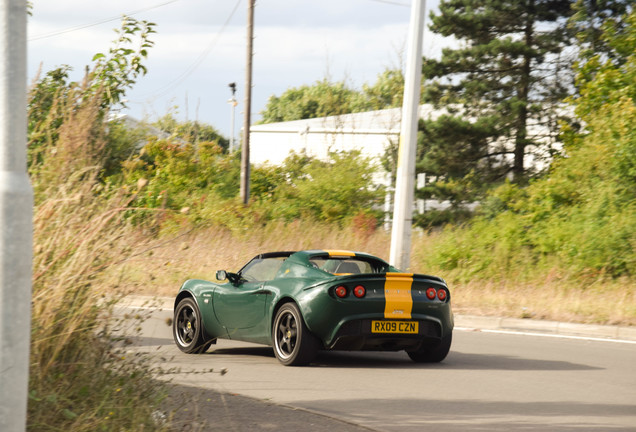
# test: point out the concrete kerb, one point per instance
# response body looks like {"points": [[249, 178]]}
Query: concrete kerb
{"points": [[473, 322], [546, 327]]}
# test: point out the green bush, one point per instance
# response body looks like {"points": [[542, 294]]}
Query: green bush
{"points": [[201, 184]]}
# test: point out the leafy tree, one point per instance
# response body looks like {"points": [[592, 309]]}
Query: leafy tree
{"points": [[335, 190], [325, 98], [171, 174], [588, 21], [607, 73], [319, 100], [606, 83], [123, 141], [47, 99], [118, 70], [338, 189], [386, 92], [192, 132], [502, 88], [67, 120]]}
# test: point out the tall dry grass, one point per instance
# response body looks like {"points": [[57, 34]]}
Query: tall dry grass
{"points": [[79, 380]]}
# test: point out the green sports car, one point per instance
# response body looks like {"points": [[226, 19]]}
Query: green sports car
{"points": [[303, 302]]}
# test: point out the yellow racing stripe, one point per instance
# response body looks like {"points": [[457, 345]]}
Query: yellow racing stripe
{"points": [[397, 293], [340, 253]]}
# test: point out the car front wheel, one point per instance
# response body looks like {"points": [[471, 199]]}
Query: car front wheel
{"points": [[187, 328], [294, 345]]}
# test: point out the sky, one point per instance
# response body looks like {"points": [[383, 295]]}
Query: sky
{"points": [[200, 47]]}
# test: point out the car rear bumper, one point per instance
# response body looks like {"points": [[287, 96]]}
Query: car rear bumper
{"points": [[356, 335]]}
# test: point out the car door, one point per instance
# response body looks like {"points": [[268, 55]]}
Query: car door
{"points": [[241, 308]]}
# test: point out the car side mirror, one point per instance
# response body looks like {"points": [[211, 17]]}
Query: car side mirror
{"points": [[226, 275]]}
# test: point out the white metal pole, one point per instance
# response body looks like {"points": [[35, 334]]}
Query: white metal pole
{"points": [[232, 133], [232, 101], [16, 213], [405, 178]]}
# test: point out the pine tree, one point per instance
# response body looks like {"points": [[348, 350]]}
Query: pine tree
{"points": [[502, 89]]}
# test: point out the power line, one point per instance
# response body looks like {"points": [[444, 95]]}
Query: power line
{"points": [[178, 80], [391, 3], [83, 26]]}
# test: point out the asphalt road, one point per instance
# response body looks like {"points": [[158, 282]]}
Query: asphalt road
{"points": [[489, 382]]}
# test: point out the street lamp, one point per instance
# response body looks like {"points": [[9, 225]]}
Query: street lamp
{"points": [[232, 101]]}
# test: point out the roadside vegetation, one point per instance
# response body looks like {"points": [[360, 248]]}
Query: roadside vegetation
{"points": [[119, 211], [80, 378]]}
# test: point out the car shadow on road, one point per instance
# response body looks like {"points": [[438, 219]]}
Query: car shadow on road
{"points": [[260, 351], [454, 361], [473, 361]]}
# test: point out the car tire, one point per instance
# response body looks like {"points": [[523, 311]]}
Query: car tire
{"points": [[294, 345], [187, 328], [432, 353]]}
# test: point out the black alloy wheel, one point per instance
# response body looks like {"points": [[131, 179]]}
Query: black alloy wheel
{"points": [[294, 345], [187, 328]]}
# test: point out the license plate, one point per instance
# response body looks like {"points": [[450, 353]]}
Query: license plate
{"points": [[408, 327]]}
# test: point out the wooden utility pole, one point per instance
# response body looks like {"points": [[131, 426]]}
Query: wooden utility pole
{"points": [[245, 151]]}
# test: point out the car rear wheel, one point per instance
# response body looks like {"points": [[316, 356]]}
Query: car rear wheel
{"points": [[187, 328], [434, 353], [294, 345]]}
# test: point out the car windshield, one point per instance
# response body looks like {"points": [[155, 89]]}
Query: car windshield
{"points": [[262, 269], [342, 266]]}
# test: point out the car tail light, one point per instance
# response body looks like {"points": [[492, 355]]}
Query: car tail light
{"points": [[441, 294], [341, 291], [359, 291], [431, 293]]}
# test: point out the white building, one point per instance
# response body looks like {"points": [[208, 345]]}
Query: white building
{"points": [[370, 132]]}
